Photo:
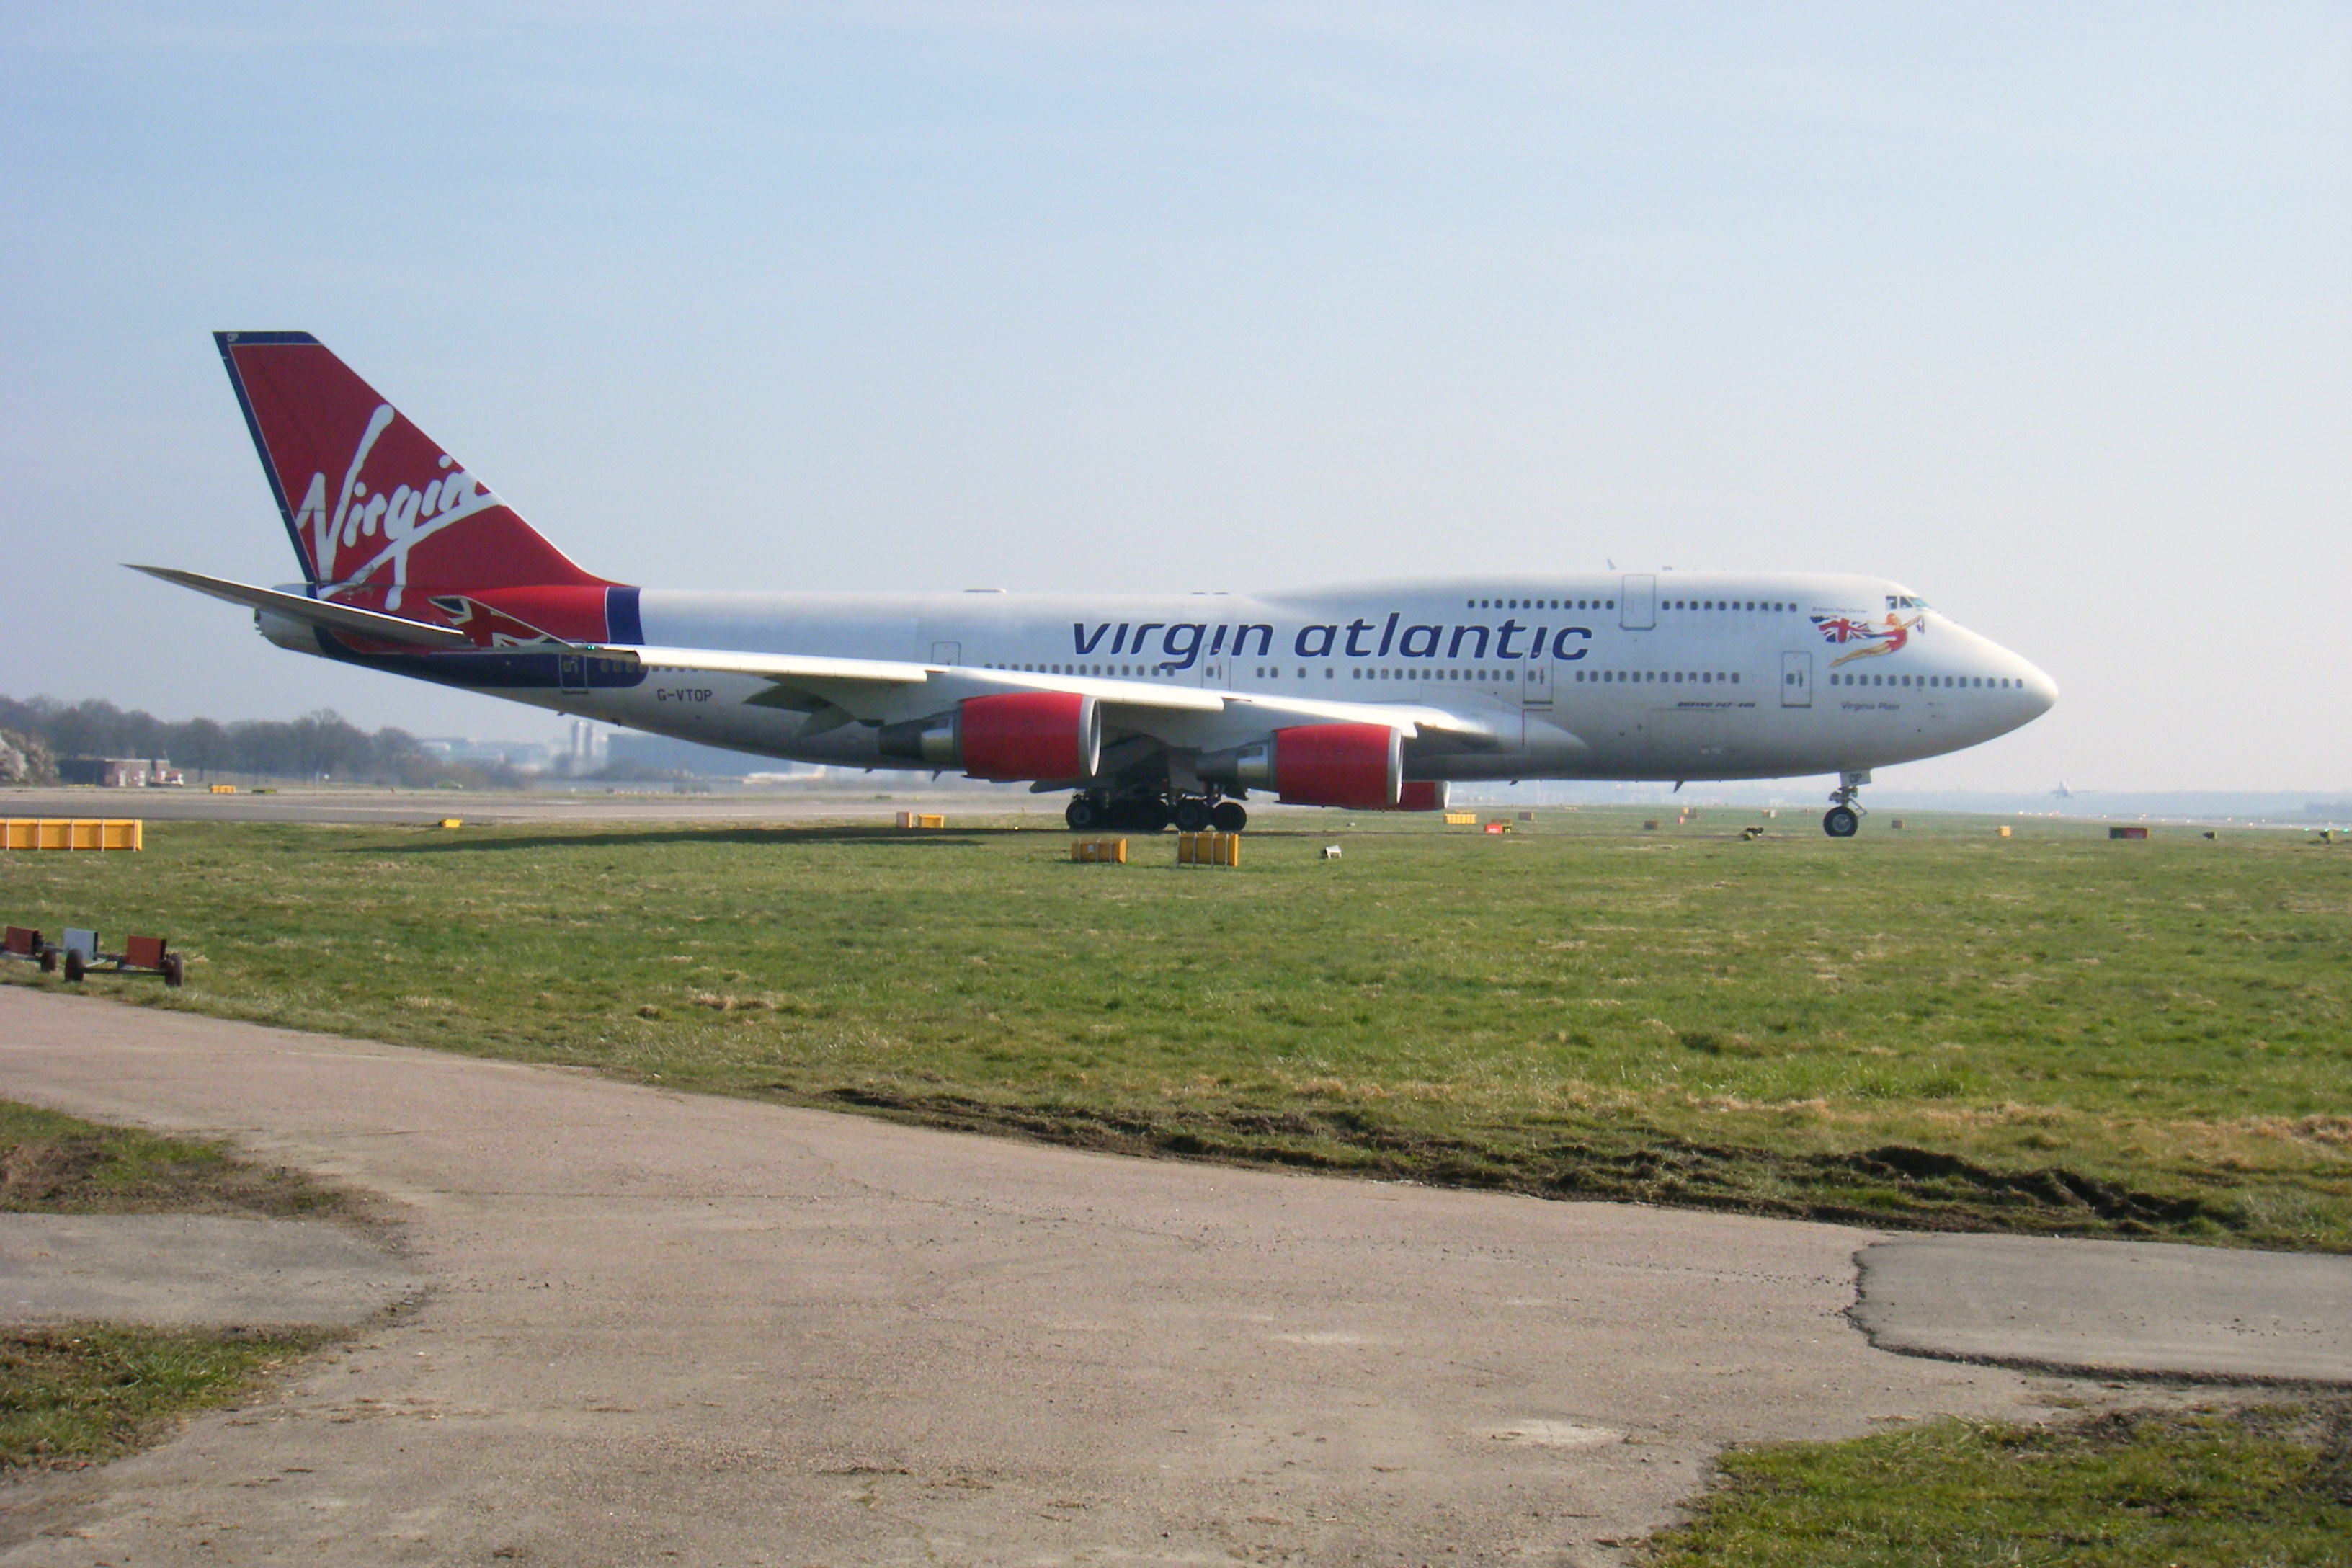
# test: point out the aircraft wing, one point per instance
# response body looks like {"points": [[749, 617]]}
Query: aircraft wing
{"points": [[838, 680]]}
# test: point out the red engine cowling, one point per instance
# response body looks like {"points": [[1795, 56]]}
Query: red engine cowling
{"points": [[1424, 795], [1356, 766], [1016, 735]]}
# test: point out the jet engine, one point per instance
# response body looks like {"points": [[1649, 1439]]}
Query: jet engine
{"points": [[1356, 766], [1016, 735], [1424, 795]]}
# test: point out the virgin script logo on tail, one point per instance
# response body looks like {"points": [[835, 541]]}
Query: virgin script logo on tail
{"points": [[380, 526]]}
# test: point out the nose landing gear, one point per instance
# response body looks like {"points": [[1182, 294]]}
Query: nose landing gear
{"points": [[1845, 815]]}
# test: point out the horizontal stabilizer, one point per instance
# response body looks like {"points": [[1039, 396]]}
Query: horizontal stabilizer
{"points": [[368, 624]]}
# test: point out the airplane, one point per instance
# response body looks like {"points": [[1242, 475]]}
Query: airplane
{"points": [[1145, 709]]}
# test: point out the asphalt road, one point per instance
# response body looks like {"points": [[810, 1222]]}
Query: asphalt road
{"points": [[680, 1329], [2150, 1307], [418, 807], [194, 1269]]}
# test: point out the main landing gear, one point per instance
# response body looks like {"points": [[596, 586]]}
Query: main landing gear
{"points": [[1845, 815], [1151, 813]]}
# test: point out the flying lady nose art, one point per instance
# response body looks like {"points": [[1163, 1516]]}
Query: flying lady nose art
{"points": [[1889, 636]]}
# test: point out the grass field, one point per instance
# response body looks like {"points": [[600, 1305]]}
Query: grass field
{"points": [[90, 1393], [2267, 1485], [1933, 1028], [80, 1394]]}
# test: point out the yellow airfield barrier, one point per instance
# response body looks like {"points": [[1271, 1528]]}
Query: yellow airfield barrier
{"points": [[224, 789], [1099, 851], [1208, 849], [71, 833], [921, 819], [1461, 819]]}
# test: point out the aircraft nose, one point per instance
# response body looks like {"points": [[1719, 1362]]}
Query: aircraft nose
{"points": [[2042, 690]]}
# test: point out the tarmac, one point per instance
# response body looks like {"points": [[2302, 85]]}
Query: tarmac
{"points": [[172, 1271], [2109, 1308], [418, 809], [657, 1327]]}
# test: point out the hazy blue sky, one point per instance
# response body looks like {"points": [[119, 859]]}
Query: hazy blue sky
{"points": [[2045, 310]]}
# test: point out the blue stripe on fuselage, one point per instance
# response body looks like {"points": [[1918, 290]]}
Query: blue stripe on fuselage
{"points": [[512, 669]]}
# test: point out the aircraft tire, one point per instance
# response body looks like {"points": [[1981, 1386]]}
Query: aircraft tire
{"points": [[1840, 822], [1192, 815], [1149, 816], [1229, 816], [75, 968], [1085, 813]]}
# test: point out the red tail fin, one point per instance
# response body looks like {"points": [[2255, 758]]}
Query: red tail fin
{"points": [[376, 508]]}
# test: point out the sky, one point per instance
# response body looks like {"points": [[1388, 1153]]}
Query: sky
{"points": [[2042, 311]]}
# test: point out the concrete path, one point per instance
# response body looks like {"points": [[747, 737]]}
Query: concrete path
{"points": [[2103, 1306], [179, 1270], [672, 1329], [422, 808]]}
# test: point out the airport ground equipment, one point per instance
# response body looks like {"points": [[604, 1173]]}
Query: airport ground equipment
{"points": [[2126, 832], [921, 819], [1461, 819], [1099, 851], [1208, 849], [71, 833], [24, 944], [140, 955]]}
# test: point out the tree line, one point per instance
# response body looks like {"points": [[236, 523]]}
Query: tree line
{"points": [[317, 745]]}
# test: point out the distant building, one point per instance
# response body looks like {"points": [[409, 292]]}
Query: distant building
{"points": [[587, 750], [117, 772]]}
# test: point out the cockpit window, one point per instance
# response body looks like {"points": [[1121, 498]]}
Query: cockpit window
{"points": [[1905, 602]]}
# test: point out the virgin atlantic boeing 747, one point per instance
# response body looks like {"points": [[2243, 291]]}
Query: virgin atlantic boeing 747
{"points": [[1147, 709]]}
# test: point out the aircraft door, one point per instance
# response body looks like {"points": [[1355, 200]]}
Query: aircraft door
{"points": [[1534, 676], [947, 653], [1796, 681], [1637, 603], [572, 671]]}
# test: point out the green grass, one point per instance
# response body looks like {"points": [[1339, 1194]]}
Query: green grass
{"points": [[85, 1393], [60, 1164], [1932, 1027], [79, 1395], [2261, 1487]]}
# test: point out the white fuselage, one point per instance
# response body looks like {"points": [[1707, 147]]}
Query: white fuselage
{"points": [[1681, 675]]}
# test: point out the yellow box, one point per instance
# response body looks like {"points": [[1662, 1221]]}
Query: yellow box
{"points": [[921, 819], [1461, 819], [1099, 851], [1208, 849], [71, 833], [224, 789], [453, 822], [2004, 830]]}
